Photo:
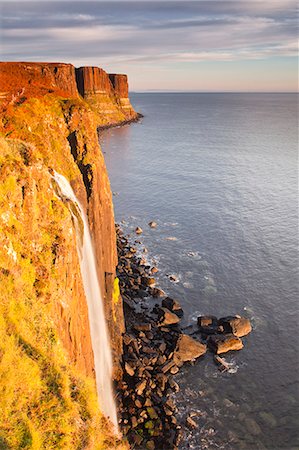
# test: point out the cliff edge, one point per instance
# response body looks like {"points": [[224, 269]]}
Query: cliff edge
{"points": [[49, 122]]}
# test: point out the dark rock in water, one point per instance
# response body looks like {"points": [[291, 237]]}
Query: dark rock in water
{"points": [[167, 366], [206, 321], [153, 224], [143, 327], [191, 423], [223, 343], [187, 349], [173, 305], [148, 281], [155, 292], [167, 318], [239, 326]]}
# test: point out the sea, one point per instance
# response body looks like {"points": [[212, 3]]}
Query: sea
{"points": [[218, 174]]}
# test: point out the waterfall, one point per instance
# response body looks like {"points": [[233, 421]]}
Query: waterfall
{"points": [[96, 315]]}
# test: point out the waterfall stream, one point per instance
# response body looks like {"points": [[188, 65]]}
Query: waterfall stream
{"points": [[97, 322]]}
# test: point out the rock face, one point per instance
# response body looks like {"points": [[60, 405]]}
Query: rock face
{"points": [[25, 80], [48, 126], [93, 80], [106, 95]]}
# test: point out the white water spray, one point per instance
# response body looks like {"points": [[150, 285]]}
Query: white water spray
{"points": [[96, 315]]}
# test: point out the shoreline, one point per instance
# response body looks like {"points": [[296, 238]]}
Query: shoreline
{"points": [[119, 124]]}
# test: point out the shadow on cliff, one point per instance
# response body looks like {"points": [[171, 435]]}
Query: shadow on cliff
{"points": [[85, 169]]}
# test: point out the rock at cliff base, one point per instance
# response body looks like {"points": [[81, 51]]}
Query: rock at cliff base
{"points": [[187, 349], [167, 317], [239, 326], [130, 371], [206, 321], [191, 424], [153, 224], [155, 292], [222, 343], [173, 305]]}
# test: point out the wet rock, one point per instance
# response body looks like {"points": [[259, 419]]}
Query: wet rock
{"points": [[153, 224], [239, 326], [191, 424], [167, 318], [252, 426], [206, 321], [154, 270], [187, 349], [138, 230], [172, 305], [155, 292], [143, 327], [167, 366], [268, 419], [148, 281], [224, 343], [173, 278]]}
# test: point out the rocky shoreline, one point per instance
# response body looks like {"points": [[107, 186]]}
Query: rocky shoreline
{"points": [[120, 124], [154, 349]]}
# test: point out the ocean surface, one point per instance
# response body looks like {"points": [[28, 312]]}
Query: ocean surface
{"points": [[218, 173]]}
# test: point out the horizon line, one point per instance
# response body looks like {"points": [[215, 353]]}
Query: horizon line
{"points": [[154, 91]]}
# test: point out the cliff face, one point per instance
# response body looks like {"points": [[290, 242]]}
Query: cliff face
{"points": [[24, 80], [45, 124], [106, 94]]}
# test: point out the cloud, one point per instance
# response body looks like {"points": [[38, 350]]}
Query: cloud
{"points": [[145, 33]]}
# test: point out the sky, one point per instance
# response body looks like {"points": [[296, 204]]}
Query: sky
{"points": [[213, 45]]}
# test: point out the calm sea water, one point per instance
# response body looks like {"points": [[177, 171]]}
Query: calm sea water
{"points": [[218, 172]]}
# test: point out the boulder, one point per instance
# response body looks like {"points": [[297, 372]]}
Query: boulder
{"points": [[191, 424], [173, 306], [129, 369], [148, 281], [155, 292], [143, 327], [222, 343], [187, 349], [153, 224], [239, 326], [138, 230], [206, 321], [167, 317]]}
